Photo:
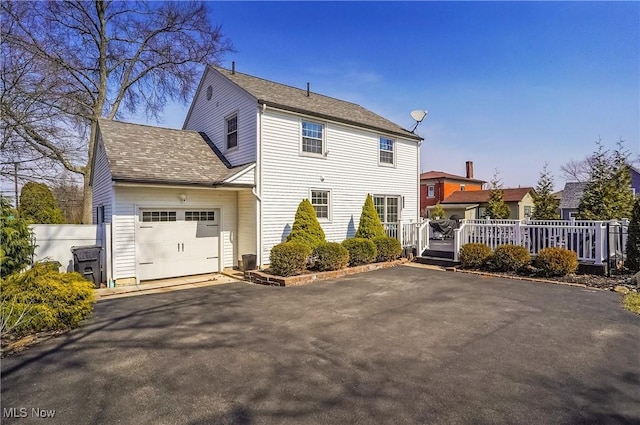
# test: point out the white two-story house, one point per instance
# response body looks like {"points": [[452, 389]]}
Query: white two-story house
{"points": [[192, 201]]}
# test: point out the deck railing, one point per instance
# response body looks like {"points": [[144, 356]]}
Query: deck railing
{"points": [[587, 238]]}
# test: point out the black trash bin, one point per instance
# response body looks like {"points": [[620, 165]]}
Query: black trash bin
{"points": [[86, 261], [249, 262]]}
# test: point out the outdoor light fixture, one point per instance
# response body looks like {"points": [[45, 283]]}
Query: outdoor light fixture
{"points": [[183, 197], [418, 115]]}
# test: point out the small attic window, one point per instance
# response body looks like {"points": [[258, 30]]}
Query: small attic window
{"points": [[209, 92]]}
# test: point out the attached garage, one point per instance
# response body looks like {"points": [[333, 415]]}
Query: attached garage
{"points": [[177, 242]]}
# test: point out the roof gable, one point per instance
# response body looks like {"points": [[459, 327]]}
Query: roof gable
{"points": [[293, 99], [480, 196], [150, 154], [571, 194]]}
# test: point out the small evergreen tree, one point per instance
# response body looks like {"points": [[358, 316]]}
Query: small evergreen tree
{"points": [[496, 207], [545, 205], [306, 228], [633, 238], [437, 211], [370, 225], [37, 205], [16, 246], [607, 194]]}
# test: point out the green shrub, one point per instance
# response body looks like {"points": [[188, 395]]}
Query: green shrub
{"points": [[474, 255], [361, 251], [16, 246], [370, 225], [50, 300], [37, 204], [289, 258], [330, 256], [556, 261], [306, 229], [633, 239], [508, 258], [437, 212], [388, 248]]}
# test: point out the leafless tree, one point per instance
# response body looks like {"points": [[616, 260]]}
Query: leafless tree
{"points": [[577, 171], [67, 63]]}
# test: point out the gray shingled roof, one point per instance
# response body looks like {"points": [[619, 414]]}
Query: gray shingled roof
{"points": [[143, 153], [571, 195], [296, 100]]}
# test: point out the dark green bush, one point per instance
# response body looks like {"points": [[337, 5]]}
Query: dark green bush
{"points": [[556, 261], [37, 204], [509, 258], [361, 251], [16, 245], [330, 256], [388, 248], [370, 225], [474, 255], [306, 229], [289, 258], [50, 300]]}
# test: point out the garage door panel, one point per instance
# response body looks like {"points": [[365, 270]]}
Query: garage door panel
{"points": [[178, 248]]}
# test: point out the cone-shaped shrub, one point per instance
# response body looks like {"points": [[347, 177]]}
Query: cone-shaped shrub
{"points": [[370, 226], [306, 228], [361, 251]]}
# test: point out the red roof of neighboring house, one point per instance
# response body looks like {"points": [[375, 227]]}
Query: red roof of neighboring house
{"points": [[478, 196], [442, 175]]}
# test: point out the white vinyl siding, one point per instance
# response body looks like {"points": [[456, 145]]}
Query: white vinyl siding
{"points": [[210, 116], [129, 200], [102, 185], [351, 171]]}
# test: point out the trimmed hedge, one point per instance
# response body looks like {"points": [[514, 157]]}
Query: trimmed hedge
{"points": [[330, 256], [388, 248], [508, 258], [361, 251], [289, 258], [555, 261], [46, 299], [474, 255]]}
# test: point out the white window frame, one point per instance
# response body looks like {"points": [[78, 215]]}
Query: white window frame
{"points": [[328, 218], [392, 151], [463, 187], [524, 211], [385, 213], [322, 139], [227, 133], [431, 191]]}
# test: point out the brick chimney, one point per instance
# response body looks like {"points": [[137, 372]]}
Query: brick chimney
{"points": [[469, 165]]}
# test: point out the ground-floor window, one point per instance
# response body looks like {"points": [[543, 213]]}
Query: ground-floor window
{"points": [[320, 199], [388, 208]]}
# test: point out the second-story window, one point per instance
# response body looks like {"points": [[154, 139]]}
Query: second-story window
{"points": [[232, 132], [312, 139], [386, 151], [431, 191]]}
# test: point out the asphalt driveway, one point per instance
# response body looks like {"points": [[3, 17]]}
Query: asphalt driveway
{"points": [[402, 345]]}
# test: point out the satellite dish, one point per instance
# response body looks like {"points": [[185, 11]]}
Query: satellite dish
{"points": [[418, 115]]}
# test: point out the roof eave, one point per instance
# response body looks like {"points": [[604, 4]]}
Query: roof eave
{"points": [[407, 135], [158, 182]]}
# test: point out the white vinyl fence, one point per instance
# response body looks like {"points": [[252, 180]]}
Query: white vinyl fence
{"points": [[593, 241], [54, 242]]}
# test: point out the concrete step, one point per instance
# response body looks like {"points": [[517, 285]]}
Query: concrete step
{"points": [[437, 261]]}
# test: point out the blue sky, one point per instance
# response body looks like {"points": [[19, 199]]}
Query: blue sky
{"points": [[508, 85]]}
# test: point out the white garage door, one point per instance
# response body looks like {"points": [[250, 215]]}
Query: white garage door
{"points": [[173, 242]]}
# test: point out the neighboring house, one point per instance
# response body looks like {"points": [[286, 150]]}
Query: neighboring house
{"points": [[196, 200], [635, 180], [571, 195], [435, 186], [472, 205]]}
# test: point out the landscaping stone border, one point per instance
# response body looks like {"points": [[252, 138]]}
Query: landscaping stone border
{"points": [[262, 278]]}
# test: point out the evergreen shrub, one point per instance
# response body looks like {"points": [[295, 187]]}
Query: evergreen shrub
{"points": [[556, 261], [509, 258], [306, 228], [474, 255], [330, 256], [370, 225], [388, 248], [289, 258], [361, 251]]}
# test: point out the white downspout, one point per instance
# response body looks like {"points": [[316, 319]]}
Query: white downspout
{"points": [[258, 193], [418, 218]]}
